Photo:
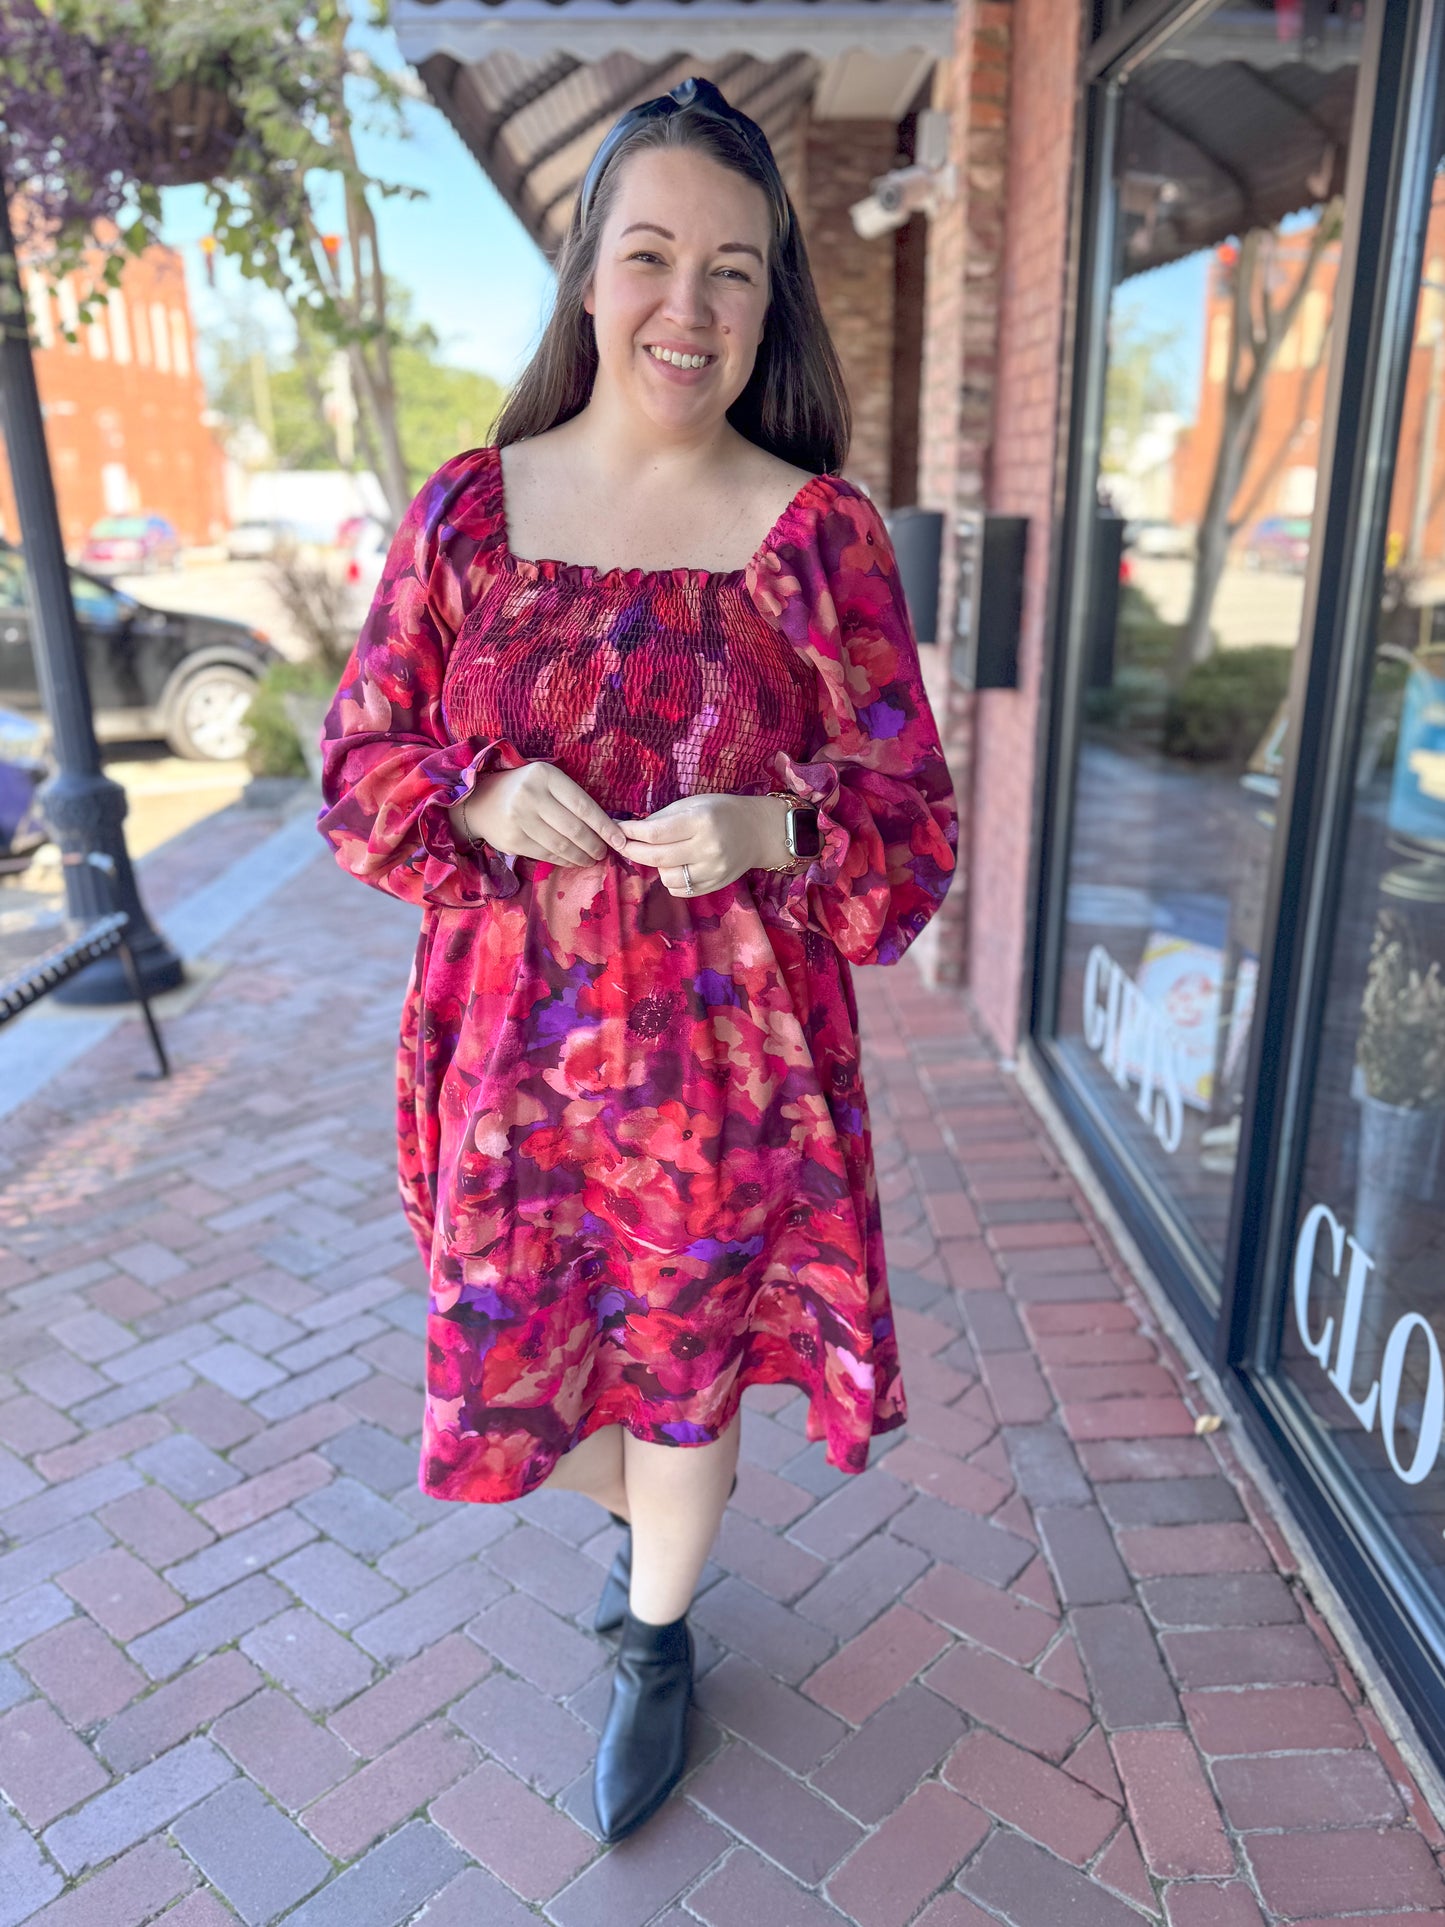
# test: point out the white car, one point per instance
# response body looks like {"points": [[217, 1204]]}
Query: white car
{"points": [[254, 540], [1164, 540]]}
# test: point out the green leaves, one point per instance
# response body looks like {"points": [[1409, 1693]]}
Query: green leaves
{"points": [[99, 98]]}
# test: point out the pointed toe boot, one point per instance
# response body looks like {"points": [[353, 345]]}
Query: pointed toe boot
{"points": [[643, 1747], [612, 1606]]}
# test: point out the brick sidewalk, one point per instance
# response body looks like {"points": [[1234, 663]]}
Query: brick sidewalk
{"points": [[999, 1677]]}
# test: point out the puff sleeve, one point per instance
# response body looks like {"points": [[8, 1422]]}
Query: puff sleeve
{"points": [[876, 769], [390, 770]]}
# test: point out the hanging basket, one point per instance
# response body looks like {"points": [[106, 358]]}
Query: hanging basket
{"points": [[187, 135]]}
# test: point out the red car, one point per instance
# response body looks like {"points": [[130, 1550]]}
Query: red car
{"points": [[131, 545]]}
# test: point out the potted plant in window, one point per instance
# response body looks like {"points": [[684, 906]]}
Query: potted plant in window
{"points": [[1400, 1052]]}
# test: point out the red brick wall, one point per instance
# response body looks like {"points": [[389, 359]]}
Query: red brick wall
{"points": [[111, 400], [855, 280], [965, 260], [1027, 405]]}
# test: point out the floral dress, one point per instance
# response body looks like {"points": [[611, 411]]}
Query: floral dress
{"points": [[634, 1141]]}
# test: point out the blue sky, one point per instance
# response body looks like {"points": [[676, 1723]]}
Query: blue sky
{"points": [[476, 275], [1171, 300]]}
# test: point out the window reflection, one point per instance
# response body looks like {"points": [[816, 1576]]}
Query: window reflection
{"points": [[1229, 180], [1364, 1321]]}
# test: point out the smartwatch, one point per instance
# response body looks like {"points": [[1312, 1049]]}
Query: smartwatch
{"points": [[805, 840], [802, 832]]}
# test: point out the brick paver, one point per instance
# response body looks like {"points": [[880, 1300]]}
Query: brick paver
{"points": [[1047, 1660]]}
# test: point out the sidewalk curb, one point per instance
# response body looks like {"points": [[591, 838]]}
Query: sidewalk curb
{"points": [[1237, 1444]]}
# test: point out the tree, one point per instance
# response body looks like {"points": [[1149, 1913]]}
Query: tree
{"points": [[104, 102], [1139, 383], [439, 409], [1257, 328]]}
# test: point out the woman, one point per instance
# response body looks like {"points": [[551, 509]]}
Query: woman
{"points": [[654, 801]]}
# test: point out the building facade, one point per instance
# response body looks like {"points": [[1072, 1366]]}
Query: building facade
{"points": [[1206, 862], [1177, 305], [124, 404]]}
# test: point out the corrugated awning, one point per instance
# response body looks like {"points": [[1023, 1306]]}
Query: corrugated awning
{"points": [[471, 30], [532, 85], [1232, 127]]}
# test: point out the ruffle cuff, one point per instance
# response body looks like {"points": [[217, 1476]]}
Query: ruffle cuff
{"points": [[456, 873], [785, 892]]}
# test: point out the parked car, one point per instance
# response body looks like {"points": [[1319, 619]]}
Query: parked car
{"points": [[258, 537], [154, 673], [23, 767], [1158, 539], [1279, 542], [365, 542], [131, 545]]}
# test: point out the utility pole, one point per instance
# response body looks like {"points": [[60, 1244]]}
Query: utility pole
{"points": [[84, 808], [340, 407]]}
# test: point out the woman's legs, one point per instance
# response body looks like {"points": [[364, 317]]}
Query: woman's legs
{"points": [[675, 1497], [594, 1468]]}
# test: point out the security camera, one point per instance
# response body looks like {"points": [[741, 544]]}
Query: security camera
{"points": [[897, 195]]}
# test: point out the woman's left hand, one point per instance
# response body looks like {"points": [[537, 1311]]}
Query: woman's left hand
{"points": [[717, 836]]}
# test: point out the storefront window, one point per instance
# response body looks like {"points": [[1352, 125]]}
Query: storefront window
{"points": [[1228, 210], [1363, 1313]]}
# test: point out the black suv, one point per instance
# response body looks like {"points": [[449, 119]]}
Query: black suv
{"points": [[185, 679]]}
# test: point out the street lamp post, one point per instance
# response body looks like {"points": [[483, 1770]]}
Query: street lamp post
{"points": [[84, 808]]}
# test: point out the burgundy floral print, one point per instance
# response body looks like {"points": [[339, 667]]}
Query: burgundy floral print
{"points": [[634, 1140]]}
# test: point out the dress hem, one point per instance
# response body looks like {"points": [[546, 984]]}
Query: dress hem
{"points": [[881, 1426]]}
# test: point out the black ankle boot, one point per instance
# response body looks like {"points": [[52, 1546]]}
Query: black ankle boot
{"points": [[644, 1741], [612, 1606]]}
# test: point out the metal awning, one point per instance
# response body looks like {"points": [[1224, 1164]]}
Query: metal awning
{"points": [[532, 85], [1230, 128], [470, 30]]}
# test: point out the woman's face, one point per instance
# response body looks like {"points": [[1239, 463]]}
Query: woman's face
{"points": [[681, 267]]}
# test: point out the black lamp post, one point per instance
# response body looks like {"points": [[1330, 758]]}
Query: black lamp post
{"points": [[84, 808]]}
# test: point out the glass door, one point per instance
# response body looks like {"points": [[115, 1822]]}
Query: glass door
{"points": [[1220, 230], [1357, 1362]]}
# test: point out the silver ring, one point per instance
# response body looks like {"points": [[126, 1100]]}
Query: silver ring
{"points": [[686, 881]]}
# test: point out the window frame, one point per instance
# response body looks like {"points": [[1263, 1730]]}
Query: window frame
{"points": [[1392, 161]]}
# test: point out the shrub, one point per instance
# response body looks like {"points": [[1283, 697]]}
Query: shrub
{"points": [[1225, 704], [1143, 639], [274, 749], [316, 597]]}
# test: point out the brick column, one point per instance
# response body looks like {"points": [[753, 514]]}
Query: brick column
{"points": [[1033, 310], [964, 275], [855, 280]]}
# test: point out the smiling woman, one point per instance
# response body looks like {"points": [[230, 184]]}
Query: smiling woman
{"points": [[637, 718], [793, 401]]}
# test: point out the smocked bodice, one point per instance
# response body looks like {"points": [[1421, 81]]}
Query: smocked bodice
{"points": [[643, 687]]}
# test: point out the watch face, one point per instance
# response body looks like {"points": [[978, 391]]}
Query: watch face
{"points": [[805, 838]]}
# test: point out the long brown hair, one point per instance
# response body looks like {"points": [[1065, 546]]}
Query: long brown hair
{"points": [[795, 404]]}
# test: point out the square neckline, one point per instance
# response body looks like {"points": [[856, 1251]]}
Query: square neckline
{"points": [[548, 568]]}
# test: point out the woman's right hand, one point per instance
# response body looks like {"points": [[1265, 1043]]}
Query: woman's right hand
{"points": [[536, 811]]}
